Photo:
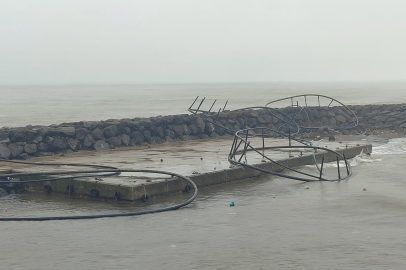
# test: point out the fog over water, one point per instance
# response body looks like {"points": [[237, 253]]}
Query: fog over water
{"points": [[64, 61], [104, 41]]}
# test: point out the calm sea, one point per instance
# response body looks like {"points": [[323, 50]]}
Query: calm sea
{"points": [[275, 224], [44, 105]]}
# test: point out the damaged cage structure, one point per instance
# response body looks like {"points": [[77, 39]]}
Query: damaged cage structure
{"points": [[257, 144]]}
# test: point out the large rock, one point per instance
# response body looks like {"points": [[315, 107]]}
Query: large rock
{"points": [[200, 124], [110, 131], [97, 134], [4, 151], [178, 129], [58, 143], [137, 137], [81, 133], [15, 149], [210, 128], [88, 141], [43, 147], [61, 131], [30, 148], [73, 143], [115, 141], [125, 139], [156, 140], [22, 135], [4, 133], [101, 145]]}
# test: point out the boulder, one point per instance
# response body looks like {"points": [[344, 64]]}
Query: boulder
{"points": [[115, 141], [101, 145], [88, 141], [137, 137], [156, 140], [97, 134], [125, 139], [43, 147], [209, 128], [178, 129], [4, 151], [30, 148], [61, 131], [200, 124], [110, 131], [81, 133], [15, 149], [73, 143], [58, 143], [22, 135]]}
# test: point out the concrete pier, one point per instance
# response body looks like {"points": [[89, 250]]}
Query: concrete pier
{"points": [[203, 161]]}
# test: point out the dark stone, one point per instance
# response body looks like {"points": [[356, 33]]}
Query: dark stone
{"points": [[193, 129], [58, 143], [43, 147], [209, 128], [156, 140], [4, 133], [178, 130], [331, 138], [4, 152], [186, 130], [200, 124], [125, 139], [101, 145], [147, 135], [30, 148], [24, 156], [177, 121], [169, 135], [22, 135], [88, 141], [15, 149], [110, 131], [97, 134], [73, 143], [37, 139], [157, 131], [61, 131], [137, 137], [81, 133], [115, 141]]}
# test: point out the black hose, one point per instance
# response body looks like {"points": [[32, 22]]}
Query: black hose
{"points": [[106, 169]]}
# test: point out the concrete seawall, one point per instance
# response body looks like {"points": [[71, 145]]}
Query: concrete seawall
{"points": [[133, 191]]}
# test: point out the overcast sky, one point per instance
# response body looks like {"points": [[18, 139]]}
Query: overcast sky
{"points": [[195, 41]]}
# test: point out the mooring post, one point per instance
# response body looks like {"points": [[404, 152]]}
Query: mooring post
{"points": [[290, 144]]}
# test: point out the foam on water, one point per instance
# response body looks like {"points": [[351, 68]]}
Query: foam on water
{"points": [[395, 146]]}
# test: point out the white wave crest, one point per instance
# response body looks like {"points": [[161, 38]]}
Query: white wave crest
{"points": [[395, 146]]}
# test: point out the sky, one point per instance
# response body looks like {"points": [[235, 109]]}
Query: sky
{"points": [[201, 41]]}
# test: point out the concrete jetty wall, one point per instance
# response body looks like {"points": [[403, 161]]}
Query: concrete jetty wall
{"points": [[34, 141], [82, 187]]}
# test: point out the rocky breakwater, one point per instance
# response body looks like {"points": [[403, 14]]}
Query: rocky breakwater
{"points": [[32, 141]]}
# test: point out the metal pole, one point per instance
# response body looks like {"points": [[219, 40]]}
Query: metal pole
{"points": [[338, 169], [321, 168], [225, 105], [212, 104], [245, 149], [346, 165], [193, 103], [200, 104]]}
